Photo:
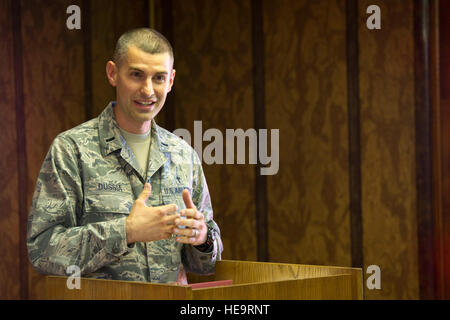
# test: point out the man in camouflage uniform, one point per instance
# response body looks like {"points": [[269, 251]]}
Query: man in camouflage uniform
{"points": [[110, 204]]}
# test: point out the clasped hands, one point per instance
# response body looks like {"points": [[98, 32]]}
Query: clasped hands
{"points": [[146, 223]]}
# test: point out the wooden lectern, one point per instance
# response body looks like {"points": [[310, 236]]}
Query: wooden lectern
{"points": [[251, 281]]}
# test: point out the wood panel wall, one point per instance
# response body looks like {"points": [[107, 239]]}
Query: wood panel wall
{"points": [[388, 148], [47, 73], [9, 217], [108, 20], [53, 88], [214, 84], [296, 59], [442, 151], [306, 98]]}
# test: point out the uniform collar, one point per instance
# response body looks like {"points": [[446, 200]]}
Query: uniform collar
{"points": [[111, 139]]}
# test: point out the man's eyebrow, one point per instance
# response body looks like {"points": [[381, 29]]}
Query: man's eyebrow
{"points": [[135, 69], [131, 68]]}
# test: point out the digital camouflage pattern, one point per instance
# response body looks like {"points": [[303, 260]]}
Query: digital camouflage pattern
{"points": [[85, 190]]}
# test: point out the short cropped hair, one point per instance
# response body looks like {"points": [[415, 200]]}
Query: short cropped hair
{"points": [[145, 39]]}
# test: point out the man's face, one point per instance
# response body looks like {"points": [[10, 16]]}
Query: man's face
{"points": [[142, 81]]}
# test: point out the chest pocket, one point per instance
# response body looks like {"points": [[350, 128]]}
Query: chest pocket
{"points": [[105, 201]]}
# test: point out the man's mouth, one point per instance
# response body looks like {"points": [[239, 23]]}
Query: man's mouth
{"points": [[145, 104]]}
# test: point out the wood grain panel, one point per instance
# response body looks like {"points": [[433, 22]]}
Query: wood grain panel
{"points": [[444, 72], [163, 22], [53, 85], [109, 19], [423, 149], [354, 126], [259, 108], [444, 26], [306, 99], [214, 84], [337, 287], [103, 40], [250, 271], [102, 289], [9, 212], [388, 149], [439, 252], [325, 288], [251, 280], [445, 226]]}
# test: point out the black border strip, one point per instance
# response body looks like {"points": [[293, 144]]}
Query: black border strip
{"points": [[259, 111], [354, 134], [424, 157], [22, 166]]}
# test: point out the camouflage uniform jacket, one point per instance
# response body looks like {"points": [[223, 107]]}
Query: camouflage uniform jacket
{"points": [[85, 190]]}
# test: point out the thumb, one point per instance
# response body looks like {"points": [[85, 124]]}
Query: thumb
{"points": [[187, 199], [146, 191]]}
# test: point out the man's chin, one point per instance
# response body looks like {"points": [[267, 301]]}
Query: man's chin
{"points": [[146, 116]]}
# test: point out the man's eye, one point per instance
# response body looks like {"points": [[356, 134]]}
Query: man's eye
{"points": [[160, 78], [135, 74]]}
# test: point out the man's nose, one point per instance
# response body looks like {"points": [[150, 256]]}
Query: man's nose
{"points": [[147, 89]]}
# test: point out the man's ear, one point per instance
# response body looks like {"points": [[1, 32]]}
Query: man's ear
{"points": [[111, 73], [171, 80]]}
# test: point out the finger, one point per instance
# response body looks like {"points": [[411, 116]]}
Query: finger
{"points": [[170, 219], [168, 229], [192, 238], [186, 239], [192, 214], [182, 240], [146, 191], [169, 208], [190, 223], [187, 199], [188, 213], [182, 232]]}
